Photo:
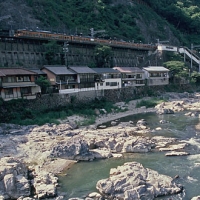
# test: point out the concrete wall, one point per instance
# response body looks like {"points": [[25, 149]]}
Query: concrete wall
{"points": [[31, 54]]}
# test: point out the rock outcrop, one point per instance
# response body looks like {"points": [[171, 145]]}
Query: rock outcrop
{"points": [[13, 178], [133, 181]]}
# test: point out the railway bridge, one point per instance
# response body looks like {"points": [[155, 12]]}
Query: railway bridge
{"points": [[27, 49]]}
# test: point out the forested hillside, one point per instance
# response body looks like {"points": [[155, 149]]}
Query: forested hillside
{"points": [[184, 15], [131, 20]]}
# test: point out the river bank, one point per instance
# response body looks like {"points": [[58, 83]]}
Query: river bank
{"points": [[48, 150]]}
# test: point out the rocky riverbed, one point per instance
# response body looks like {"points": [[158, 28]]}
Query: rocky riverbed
{"points": [[32, 156]]}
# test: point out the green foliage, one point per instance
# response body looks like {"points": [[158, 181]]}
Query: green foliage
{"points": [[43, 83], [196, 77], [122, 19], [75, 16], [88, 121], [184, 15], [149, 103], [178, 69], [52, 48], [16, 111], [103, 56]]}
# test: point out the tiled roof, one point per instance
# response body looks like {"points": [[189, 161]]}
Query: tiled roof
{"points": [[38, 71], [15, 71], [129, 69], [105, 70], [156, 69], [58, 69], [82, 70]]}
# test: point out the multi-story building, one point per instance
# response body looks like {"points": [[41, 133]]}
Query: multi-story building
{"points": [[131, 76], [60, 76], [107, 78], [18, 83], [156, 75], [85, 76]]}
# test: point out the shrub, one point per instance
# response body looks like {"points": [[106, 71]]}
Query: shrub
{"points": [[149, 103]]}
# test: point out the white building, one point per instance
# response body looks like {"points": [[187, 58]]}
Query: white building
{"points": [[156, 75], [131, 76], [107, 78]]}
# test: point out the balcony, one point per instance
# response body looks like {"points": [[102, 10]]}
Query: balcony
{"points": [[18, 84]]}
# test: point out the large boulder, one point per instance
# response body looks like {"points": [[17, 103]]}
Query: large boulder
{"points": [[133, 181], [75, 149], [13, 178], [137, 145]]}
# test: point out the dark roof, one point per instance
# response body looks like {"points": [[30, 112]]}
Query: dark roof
{"points": [[58, 69], [129, 69], [15, 71], [105, 70], [82, 70], [38, 71]]}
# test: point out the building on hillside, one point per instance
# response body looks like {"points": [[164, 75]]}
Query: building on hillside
{"points": [[131, 76], [107, 78], [60, 77], [156, 75], [85, 76], [18, 83]]}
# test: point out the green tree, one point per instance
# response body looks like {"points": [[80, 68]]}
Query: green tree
{"points": [[103, 56], [43, 83], [52, 52], [178, 70], [195, 77]]}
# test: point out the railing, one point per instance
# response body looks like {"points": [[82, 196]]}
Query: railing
{"points": [[75, 90], [190, 54]]}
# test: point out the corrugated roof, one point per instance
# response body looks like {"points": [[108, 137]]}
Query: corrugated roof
{"points": [[82, 70], [128, 69], [105, 70], [15, 71], [59, 69], [156, 68]]}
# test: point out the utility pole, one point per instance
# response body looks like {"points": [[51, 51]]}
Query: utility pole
{"points": [[192, 47], [66, 50], [93, 32], [157, 51]]}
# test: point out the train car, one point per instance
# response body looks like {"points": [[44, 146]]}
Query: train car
{"points": [[41, 34], [62, 37]]}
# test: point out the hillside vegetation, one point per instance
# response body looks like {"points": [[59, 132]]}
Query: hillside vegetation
{"points": [[184, 15], [141, 21], [131, 20]]}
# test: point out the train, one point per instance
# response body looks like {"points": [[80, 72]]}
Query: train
{"points": [[47, 35]]}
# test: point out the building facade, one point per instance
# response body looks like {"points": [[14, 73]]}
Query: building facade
{"points": [[18, 83]]}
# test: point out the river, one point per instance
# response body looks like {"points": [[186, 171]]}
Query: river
{"points": [[81, 179]]}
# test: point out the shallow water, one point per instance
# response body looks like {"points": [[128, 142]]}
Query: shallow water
{"points": [[81, 179]]}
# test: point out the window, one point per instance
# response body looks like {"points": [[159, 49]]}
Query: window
{"points": [[25, 91], [20, 79], [139, 82], [9, 79], [138, 75], [9, 91], [26, 78], [113, 84], [107, 84]]}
